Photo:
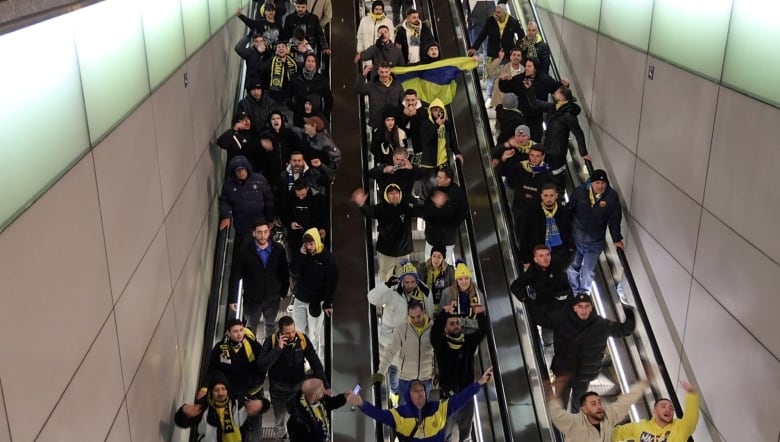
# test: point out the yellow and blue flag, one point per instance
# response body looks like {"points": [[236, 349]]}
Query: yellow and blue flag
{"points": [[434, 80]]}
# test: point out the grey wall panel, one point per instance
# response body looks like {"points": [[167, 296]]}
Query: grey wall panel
{"points": [[152, 397], [678, 113], [719, 348], [617, 91], [741, 278], [99, 377], [580, 59], [174, 136], [130, 198], [120, 430], [139, 309], [670, 215], [743, 171], [53, 267]]}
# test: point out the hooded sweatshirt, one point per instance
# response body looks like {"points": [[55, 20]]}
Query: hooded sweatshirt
{"points": [[439, 142], [395, 224], [317, 273], [248, 200]]}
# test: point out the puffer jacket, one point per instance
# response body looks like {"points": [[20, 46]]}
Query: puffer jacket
{"points": [[590, 223], [579, 344], [246, 201], [560, 121], [414, 350]]}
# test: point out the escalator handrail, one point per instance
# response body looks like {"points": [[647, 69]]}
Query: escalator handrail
{"points": [[669, 384]]}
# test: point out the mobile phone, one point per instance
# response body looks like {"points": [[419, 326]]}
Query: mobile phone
{"points": [[356, 390]]}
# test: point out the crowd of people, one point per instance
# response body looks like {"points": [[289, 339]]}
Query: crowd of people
{"points": [[281, 161]]}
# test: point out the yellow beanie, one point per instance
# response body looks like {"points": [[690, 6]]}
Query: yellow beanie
{"points": [[461, 271]]}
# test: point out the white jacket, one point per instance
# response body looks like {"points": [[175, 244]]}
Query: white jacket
{"points": [[367, 31], [414, 353], [395, 305]]}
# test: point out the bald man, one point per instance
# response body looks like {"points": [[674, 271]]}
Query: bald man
{"points": [[309, 409]]}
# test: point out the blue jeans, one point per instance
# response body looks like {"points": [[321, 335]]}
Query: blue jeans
{"points": [[403, 389], [392, 378], [583, 266]]}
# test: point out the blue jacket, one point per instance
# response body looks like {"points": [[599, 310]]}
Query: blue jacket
{"points": [[590, 223], [432, 417], [247, 201]]}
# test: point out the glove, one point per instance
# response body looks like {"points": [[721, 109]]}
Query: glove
{"points": [[377, 378]]}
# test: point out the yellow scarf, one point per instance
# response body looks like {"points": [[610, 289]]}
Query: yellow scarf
{"points": [[418, 330], [318, 413], [226, 347], [456, 343], [377, 18], [502, 26], [550, 213], [230, 430], [558, 105], [593, 197]]}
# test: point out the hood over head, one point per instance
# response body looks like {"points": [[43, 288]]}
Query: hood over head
{"points": [[436, 103], [314, 233], [392, 186], [240, 161]]}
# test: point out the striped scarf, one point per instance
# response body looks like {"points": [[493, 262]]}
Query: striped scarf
{"points": [[320, 416], [552, 236]]}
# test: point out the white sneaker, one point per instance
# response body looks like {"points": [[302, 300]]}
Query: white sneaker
{"points": [[488, 103]]}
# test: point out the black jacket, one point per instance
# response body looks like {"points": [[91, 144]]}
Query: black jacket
{"points": [[262, 284], [513, 32], [246, 201], [550, 287], [317, 275], [285, 141], [311, 27], [507, 120], [405, 178], [379, 96], [270, 31], [394, 226], [560, 121], [242, 373], [534, 232], [258, 111], [543, 85], [317, 89], [579, 345], [255, 61], [527, 184], [242, 142], [311, 211], [383, 51], [286, 365], [590, 222], [429, 138], [442, 223], [301, 426], [456, 367]]}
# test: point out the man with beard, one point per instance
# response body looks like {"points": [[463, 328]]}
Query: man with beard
{"points": [[318, 176], [663, 426], [215, 415], [369, 27], [454, 352], [257, 107], [413, 36], [384, 50], [395, 296], [382, 90], [310, 23], [246, 197], [550, 225], [262, 265], [595, 420], [580, 338], [309, 84]]}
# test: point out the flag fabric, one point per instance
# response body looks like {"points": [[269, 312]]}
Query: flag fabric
{"points": [[434, 80]]}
